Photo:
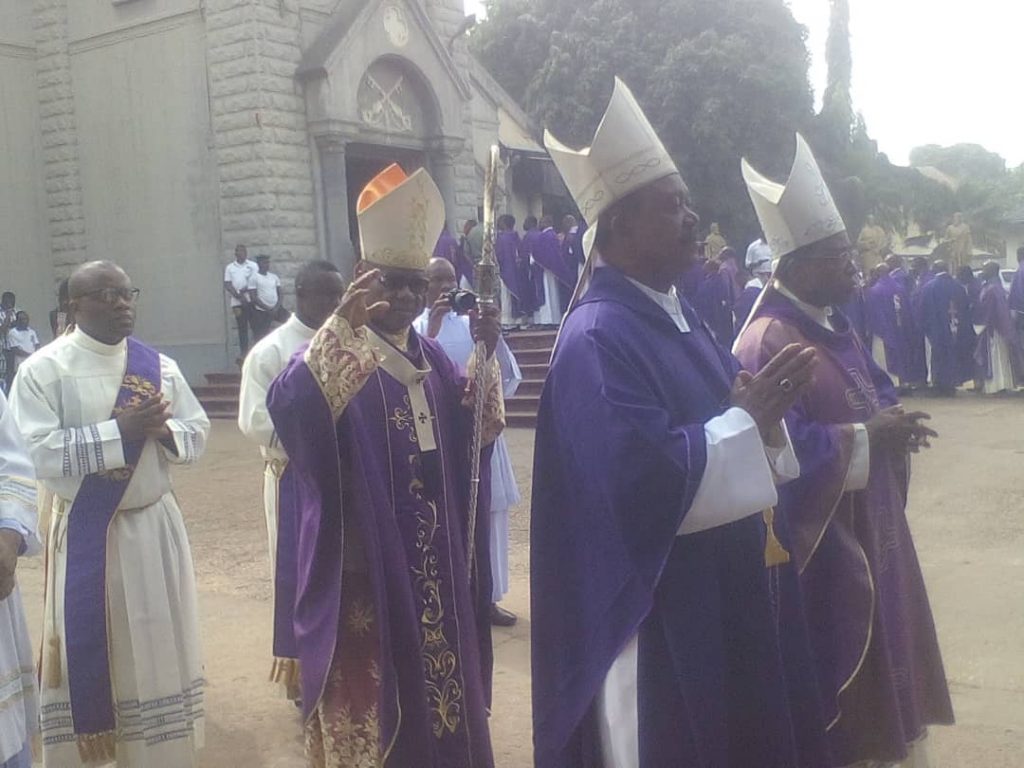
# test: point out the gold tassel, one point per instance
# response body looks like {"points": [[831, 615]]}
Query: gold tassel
{"points": [[52, 666], [774, 552], [97, 747], [286, 672]]}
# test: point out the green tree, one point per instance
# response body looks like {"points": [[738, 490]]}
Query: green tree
{"points": [[836, 120], [720, 79]]}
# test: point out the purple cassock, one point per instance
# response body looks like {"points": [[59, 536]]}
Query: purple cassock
{"points": [[572, 249], [915, 361], [447, 248], [887, 309], [858, 583], [528, 254], [993, 312], [620, 453], [744, 305], [946, 319], [548, 253], [690, 281], [857, 313], [371, 504], [514, 274], [716, 296], [1016, 301]]}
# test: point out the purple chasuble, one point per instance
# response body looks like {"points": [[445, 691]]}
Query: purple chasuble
{"points": [[888, 318], [856, 312], [447, 248], [85, 587], [915, 361], [946, 319], [875, 652], [620, 454], [993, 312], [404, 513]]}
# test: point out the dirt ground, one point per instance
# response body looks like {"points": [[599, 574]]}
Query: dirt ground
{"points": [[966, 509]]}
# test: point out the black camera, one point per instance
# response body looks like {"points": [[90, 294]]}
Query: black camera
{"points": [[461, 302]]}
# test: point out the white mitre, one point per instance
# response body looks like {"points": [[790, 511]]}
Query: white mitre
{"points": [[625, 155], [798, 213], [400, 218]]}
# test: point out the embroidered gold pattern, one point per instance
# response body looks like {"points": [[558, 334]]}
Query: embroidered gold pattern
{"points": [[348, 743], [494, 405], [141, 389], [360, 620], [440, 663], [341, 361]]}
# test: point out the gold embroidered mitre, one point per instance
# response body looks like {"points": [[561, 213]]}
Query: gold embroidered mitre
{"points": [[400, 218]]}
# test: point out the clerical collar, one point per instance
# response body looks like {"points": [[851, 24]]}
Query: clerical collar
{"points": [[296, 324], [399, 341], [83, 339], [667, 301], [820, 315]]}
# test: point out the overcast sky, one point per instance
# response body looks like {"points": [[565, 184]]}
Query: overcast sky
{"points": [[927, 72]]}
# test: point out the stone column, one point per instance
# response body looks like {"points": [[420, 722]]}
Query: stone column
{"points": [[442, 170], [335, 185]]}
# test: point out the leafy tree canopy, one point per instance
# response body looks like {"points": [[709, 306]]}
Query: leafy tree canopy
{"points": [[720, 79]]}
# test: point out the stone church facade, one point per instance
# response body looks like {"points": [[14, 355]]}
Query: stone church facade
{"points": [[162, 133]]}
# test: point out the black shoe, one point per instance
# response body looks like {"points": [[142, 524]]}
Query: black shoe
{"points": [[502, 618]]}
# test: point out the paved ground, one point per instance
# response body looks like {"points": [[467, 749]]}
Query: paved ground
{"points": [[967, 511]]}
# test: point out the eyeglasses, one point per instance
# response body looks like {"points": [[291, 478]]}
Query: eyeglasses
{"points": [[394, 283], [112, 295]]}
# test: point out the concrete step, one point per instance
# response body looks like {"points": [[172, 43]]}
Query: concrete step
{"points": [[224, 378], [216, 390], [530, 388], [523, 340], [533, 356], [520, 421], [522, 404], [534, 371]]}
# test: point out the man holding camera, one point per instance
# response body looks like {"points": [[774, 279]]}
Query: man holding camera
{"points": [[446, 319], [377, 424]]}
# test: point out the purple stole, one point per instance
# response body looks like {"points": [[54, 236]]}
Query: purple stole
{"points": [[285, 573], [85, 601]]}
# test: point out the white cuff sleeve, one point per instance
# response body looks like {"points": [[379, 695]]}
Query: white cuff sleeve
{"points": [[860, 463], [781, 455], [737, 480], [92, 448]]}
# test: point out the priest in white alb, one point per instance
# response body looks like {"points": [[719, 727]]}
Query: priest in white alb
{"points": [[104, 417], [19, 696], [318, 289]]}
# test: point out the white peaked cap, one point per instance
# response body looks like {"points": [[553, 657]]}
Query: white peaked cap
{"points": [[798, 213], [400, 218], [625, 155]]}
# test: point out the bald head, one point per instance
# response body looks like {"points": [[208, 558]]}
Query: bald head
{"points": [[102, 300], [990, 271], [94, 276], [441, 275]]}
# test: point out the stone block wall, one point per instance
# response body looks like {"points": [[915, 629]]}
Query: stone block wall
{"points": [[258, 111], [65, 214]]}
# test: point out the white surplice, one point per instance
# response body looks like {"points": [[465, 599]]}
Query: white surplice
{"points": [[62, 400], [1001, 379], [734, 449], [19, 697], [262, 365], [457, 341], [551, 311]]}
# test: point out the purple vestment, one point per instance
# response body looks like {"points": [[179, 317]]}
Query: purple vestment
{"points": [[915, 361], [875, 652], [527, 253], [447, 248], [946, 318], [993, 312], [620, 454], [744, 304], [716, 296], [548, 253], [1016, 301], [515, 273], [887, 309], [856, 312], [369, 502]]}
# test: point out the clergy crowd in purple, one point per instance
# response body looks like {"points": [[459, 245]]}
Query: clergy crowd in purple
{"points": [[679, 619]]}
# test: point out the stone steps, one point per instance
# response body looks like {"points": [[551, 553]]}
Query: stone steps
{"points": [[219, 395]]}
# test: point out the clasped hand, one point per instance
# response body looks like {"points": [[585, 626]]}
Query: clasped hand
{"points": [[768, 394]]}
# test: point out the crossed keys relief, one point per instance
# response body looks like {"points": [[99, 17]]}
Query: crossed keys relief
{"points": [[384, 109]]}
